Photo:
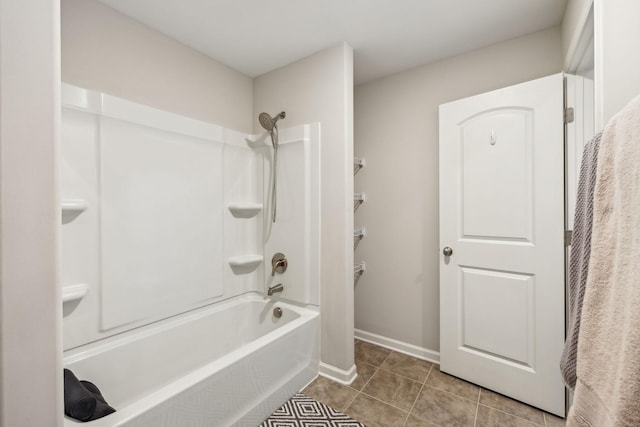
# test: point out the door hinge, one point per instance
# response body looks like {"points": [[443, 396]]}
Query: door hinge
{"points": [[569, 115], [568, 237]]}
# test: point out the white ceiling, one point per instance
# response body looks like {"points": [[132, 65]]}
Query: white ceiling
{"points": [[257, 36]]}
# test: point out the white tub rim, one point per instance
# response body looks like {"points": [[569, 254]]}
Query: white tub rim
{"points": [[126, 337], [194, 376]]}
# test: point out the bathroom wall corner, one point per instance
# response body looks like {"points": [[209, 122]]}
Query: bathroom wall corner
{"points": [[319, 88], [30, 295], [107, 51], [345, 377]]}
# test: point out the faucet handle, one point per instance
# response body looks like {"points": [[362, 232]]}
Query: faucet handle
{"points": [[279, 264]]}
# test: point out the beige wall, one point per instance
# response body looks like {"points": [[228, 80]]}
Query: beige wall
{"points": [[105, 50], [320, 89], [573, 22], [396, 130], [617, 64], [30, 297]]}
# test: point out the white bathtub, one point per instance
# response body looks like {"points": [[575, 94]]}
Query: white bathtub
{"points": [[231, 364]]}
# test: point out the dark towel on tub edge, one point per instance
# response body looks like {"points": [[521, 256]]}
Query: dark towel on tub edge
{"points": [[83, 401]]}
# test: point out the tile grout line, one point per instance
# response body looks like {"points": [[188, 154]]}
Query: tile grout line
{"points": [[382, 401], [488, 405], [428, 373], [375, 372], [403, 376], [406, 420], [415, 400], [450, 393], [516, 416], [475, 419], [351, 401], [359, 392]]}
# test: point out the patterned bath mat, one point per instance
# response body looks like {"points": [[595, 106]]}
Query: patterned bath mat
{"points": [[303, 411]]}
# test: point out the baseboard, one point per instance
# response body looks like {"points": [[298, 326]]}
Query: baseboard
{"points": [[399, 346], [338, 375]]}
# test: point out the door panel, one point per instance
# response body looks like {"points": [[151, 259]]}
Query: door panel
{"points": [[500, 173], [498, 333], [502, 213]]}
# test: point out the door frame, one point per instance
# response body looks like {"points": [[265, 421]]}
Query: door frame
{"points": [[579, 95]]}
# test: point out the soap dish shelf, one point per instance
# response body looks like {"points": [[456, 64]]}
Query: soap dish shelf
{"points": [[244, 210], [245, 264], [71, 208], [74, 292]]}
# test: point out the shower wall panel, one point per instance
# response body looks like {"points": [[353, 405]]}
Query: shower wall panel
{"points": [[296, 233], [147, 227], [79, 256], [161, 221]]}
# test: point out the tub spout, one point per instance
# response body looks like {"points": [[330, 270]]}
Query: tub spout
{"points": [[275, 289]]}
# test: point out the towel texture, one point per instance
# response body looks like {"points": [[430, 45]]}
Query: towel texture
{"points": [[579, 260], [608, 360], [79, 403], [83, 401]]}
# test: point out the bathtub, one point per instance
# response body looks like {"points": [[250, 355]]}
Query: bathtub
{"points": [[230, 364]]}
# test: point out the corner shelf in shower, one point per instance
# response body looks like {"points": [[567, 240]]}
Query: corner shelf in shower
{"points": [[244, 210], [74, 292], [245, 264], [71, 208]]}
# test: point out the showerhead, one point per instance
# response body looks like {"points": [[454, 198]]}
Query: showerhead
{"points": [[268, 122]]}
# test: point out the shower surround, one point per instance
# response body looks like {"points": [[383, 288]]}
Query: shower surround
{"points": [[166, 218]]}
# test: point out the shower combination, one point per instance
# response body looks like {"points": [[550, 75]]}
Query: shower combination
{"points": [[269, 123]]}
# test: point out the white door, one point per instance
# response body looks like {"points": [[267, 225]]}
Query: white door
{"points": [[502, 218]]}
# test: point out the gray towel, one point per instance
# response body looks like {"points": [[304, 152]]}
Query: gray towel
{"points": [[608, 362], [579, 260]]}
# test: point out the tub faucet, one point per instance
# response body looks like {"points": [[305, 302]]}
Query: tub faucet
{"points": [[275, 289]]}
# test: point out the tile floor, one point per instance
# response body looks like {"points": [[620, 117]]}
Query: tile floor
{"points": [[395, 390]]}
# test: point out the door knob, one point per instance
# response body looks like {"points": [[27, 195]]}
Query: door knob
{"points": [[447, 251]]}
